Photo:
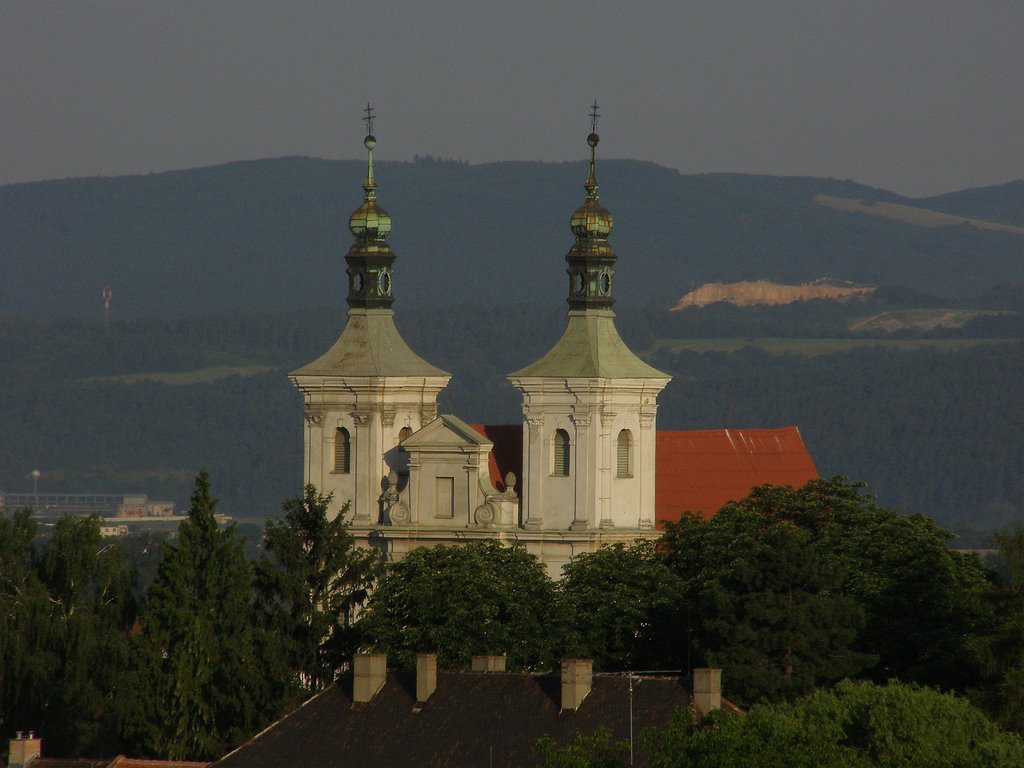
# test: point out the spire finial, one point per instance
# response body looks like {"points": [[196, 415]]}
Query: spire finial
{"points": [[370, 187], [369, 222], [592, 139], [369, 119]]}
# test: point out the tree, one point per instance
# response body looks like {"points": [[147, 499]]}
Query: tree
{"points": [[596, 750], [199, 689], [766, 606], [461, 601], [1001, 652], [923, 606], [621, 608], [91, 612], [63, 632], [26, 640], [854, 724], [310, 580]]}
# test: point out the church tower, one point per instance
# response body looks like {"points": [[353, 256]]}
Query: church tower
{"points": [[589, 403], [369, 391]]}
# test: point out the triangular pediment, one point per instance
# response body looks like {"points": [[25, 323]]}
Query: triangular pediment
{"points": [[446, 430]]}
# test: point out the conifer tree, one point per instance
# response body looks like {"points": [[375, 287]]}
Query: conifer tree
{"points": [[198, 691], [310, 580], [25, 629], [91, 610]]}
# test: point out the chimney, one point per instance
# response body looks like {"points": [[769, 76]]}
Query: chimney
{"points": [[707, 690], [369, 671], [488, 663], [426, 675], [24, 749], [577, 678]]}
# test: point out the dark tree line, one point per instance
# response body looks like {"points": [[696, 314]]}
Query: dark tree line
{"points": [[217, 647], [789, 591]]}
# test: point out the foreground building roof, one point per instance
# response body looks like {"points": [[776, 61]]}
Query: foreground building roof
{"points": [[472, 719]]}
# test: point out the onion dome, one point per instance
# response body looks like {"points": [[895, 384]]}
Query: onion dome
{"points": [[591, 259], [591, 221], [370, 259], [369, 221]]}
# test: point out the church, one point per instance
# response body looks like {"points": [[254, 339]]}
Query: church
{"points": [[587, 466]]}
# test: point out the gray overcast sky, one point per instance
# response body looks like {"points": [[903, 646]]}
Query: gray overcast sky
{"points": [[917, 97]]}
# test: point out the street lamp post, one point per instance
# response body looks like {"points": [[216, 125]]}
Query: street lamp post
{"points": [[36, 474]]}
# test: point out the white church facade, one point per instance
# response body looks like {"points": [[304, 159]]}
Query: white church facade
{"points": [[581, 471]]}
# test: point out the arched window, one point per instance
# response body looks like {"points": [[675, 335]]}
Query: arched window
{"points": [[342, 451], [623, 457], [403, 433], [560, 457]]}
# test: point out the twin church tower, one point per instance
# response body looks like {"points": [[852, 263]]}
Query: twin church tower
{"points": [[578, 472]]}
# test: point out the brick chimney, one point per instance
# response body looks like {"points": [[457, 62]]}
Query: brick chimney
{"points": [[577, 678], [426, 675], [492, 663], [369, 672], [707, 690], [24, 749]]}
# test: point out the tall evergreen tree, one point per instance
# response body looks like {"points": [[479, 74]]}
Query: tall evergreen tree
{"points": [[199, 689], [64, 619], [92, 610], [25, 627], [310, 580]]}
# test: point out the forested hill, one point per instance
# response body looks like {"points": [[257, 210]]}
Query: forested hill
{"points": [[931, 422], [270, 235]]}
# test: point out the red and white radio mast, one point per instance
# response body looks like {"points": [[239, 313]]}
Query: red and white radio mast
{"points": [[108, 294]]}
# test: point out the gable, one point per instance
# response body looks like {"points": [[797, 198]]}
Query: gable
{"points": [[443, 432]]}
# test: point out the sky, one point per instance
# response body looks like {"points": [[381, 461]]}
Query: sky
{"points": [[918, 97]]}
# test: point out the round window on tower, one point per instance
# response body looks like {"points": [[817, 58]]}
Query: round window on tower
{"points": [[384, 283], [357, 282], [577, 283], [606, 282]]}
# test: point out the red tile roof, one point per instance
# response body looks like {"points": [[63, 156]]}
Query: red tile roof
{"points": [[507, 453], [699, 471]]}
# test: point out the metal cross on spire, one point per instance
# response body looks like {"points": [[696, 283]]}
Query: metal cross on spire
{"points": [[593, 117], [369, 119]]}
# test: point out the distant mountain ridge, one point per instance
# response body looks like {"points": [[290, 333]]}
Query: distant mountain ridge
{"points": [[270, 235]]}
